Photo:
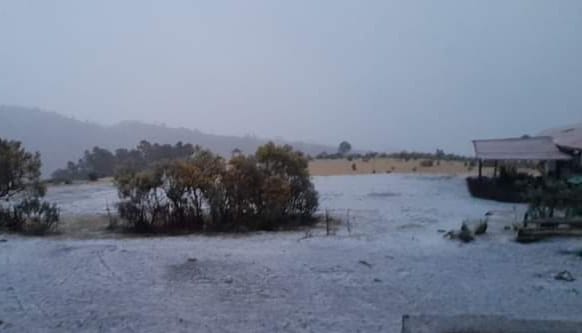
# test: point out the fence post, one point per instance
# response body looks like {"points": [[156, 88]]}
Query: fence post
{"points": [[326, 222], [348, 222]]}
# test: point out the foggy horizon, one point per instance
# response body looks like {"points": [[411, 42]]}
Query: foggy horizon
{"points": [[381, 75]]}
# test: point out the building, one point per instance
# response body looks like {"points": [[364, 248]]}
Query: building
{"points": [[555, 152]]}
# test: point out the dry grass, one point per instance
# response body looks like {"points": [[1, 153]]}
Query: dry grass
{"points": [[86, 227], [388, 165]]}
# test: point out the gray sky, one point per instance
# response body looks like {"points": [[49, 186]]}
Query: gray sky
{"points": [[381, 74]]}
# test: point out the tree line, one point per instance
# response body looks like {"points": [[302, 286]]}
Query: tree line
{"points": [[344, 151], [99, 162]]}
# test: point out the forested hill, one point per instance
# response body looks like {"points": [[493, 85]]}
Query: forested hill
{"points": [[60, 139]]}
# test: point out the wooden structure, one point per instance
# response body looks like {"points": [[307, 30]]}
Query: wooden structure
{"points": [[512, 150], [534, 230], [568, 140], [540, 148]]}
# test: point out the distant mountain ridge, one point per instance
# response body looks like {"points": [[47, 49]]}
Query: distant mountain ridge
{"points": [[60, 139]]}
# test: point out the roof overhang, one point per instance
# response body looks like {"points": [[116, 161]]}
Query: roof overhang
{"points": [[539, 148], [569, 137]]}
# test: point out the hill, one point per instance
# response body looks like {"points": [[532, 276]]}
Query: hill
{"points": [[60, 139]]}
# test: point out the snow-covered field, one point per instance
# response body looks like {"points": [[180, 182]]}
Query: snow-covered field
{"points": [[394, 262]]}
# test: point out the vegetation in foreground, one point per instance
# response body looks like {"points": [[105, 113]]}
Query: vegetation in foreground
{"points": [[21, 191], [554, 198], [264, 191]]}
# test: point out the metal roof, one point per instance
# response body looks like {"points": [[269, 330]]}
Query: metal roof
{"points": [[569, 137], [539, 148]]}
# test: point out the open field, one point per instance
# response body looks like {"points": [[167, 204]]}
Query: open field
{"points": [[386, 165], [393, 262]]}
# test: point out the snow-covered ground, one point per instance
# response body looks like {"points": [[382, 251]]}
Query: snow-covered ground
{"points": [[394, 262]]}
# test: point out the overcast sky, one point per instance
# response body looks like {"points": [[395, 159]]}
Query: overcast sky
{"points": [[381, 74]]}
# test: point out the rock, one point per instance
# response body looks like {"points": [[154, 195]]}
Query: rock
{"points": [[365, 263], [465, 234], [3, 240], [228, 280], [192, 260], [481, 228], [564, 276], [507, 227], [451, 234], [441, 231], [377, 280]]}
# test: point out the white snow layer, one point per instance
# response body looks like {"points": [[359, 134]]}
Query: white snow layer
{"points": [[394, 262]]}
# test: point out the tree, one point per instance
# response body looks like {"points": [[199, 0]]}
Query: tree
{"points": [[19, 171], [236, 152], [21, 190], [440, 154], [100, 162], [344, 148]]}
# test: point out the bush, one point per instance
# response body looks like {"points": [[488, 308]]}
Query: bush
{"points": [[261, 191], [34, 216], [21, 189], [551, 198], [427, 163], [141, 205]]}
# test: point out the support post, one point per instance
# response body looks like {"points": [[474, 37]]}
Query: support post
{"points": [[480, 169], [495, 170]]}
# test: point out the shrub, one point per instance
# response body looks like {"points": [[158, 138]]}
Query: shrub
{"points": [[427, 163], [21, 189], [34, 216], [551, 198], [261, 191], [142, 205], [354, 167]]}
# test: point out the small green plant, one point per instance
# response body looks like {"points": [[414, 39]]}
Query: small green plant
{"points": [[34, 216]]}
